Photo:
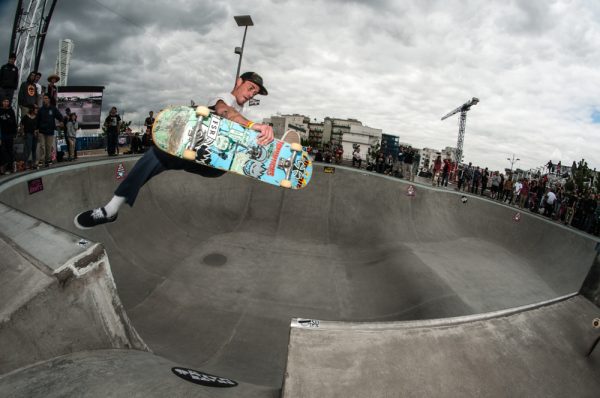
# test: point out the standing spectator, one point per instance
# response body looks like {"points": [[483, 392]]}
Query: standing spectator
{"points": [[476, 180], [9, 78], [400, 159], [461, 177], [326, 154], [541, 193], [495, 184], [356, 156], [8, 129], [468, 177], [339, 153], [588, 213], [112, 124], [437, 167], [550, 197], [533, 196], [445, 172], [39, 88], [524, 193], [577, 220], [485, 175], [415, 168], [72, 127], [148, 123], [560, 205], [48, 115], [51, 90], [507, 190], [571, 205], [28, 126], [558, 167], [517, 193], [407, 164], [380, 165], [28, 94]]}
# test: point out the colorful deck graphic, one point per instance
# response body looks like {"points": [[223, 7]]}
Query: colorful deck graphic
{"points": [[226, 145]]}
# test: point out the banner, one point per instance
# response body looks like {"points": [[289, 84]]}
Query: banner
{"points": [[85, 101]]}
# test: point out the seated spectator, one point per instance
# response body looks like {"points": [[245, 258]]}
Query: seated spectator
{"points": [[136, 144]]}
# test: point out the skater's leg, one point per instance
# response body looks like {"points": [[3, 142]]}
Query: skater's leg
{"points": [[150, 165]]}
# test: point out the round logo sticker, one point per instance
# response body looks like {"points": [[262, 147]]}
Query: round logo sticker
{"points": [[203, 379]]}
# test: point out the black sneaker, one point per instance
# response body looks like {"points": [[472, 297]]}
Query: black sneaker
{"points": [[91, 218]]}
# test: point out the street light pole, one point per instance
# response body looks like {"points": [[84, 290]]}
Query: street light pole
{"points": [[512, 162], [242, 20]]}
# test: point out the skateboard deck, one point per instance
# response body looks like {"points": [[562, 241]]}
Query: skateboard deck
{"points": [[197, 135]]}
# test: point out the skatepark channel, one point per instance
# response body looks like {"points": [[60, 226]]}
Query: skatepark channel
{"points": [[210, 272]]}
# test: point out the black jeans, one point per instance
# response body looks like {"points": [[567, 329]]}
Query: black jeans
{"points": [[152, 164], [111, 142], [8, 153]]}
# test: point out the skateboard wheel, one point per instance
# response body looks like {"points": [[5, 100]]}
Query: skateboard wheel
{"points": [[202, 111], [188, 154], [285, 183], [596, 323], [296, 147]]}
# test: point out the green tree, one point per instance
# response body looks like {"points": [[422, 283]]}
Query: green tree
{"points": [[582, 175]]}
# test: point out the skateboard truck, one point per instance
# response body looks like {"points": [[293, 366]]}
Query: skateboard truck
{"points": [[286, 164]]}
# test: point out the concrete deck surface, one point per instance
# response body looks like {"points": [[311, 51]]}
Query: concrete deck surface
{"points": [[211, 271]]}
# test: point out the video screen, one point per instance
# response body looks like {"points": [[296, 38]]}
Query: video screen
{"points": [[86, 102]]}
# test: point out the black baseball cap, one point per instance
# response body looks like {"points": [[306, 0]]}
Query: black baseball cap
{"points": [[256, 79]]}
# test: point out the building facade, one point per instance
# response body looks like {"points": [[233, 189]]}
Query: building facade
{"points": [[315, 133], [334, 129], [282, 123], [63, 61], [362, 137]]}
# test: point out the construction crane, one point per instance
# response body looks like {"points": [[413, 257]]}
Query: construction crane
{"points": [[463, 109]]}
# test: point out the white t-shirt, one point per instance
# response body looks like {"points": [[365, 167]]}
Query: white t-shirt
{"points": [[550, 198], [518, 187], [228, 99]]}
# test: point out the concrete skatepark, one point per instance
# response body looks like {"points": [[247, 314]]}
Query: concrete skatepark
{"points": [[408, 295]]}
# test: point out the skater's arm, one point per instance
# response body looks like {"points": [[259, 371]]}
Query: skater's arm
{"points": [[226, 111]]}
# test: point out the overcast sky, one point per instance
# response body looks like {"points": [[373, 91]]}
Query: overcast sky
{"points": [[397, 65]]}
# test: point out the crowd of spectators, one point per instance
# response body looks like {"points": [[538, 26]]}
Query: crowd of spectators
{"points": [[552, 194], [405, 165], [331, 153], [40, 124], [39, 119]]}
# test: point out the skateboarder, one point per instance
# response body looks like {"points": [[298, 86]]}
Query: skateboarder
{"points": [[227, 105]]}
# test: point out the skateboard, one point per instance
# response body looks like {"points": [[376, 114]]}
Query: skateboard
{"points": [[197, 135]]}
